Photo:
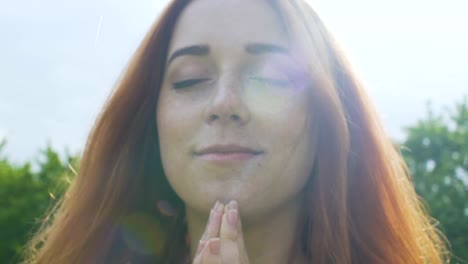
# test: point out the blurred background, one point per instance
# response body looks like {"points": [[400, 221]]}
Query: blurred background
{"points": [[59, 61]]}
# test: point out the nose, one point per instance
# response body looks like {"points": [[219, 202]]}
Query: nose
{"points": [[227, 104]]}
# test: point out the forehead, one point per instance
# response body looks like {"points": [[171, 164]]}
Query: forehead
{"points": [[228, 24]]}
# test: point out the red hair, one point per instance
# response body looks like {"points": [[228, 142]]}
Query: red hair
{"points": [[359, 207]]}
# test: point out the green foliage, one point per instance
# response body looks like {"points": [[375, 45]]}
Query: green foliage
{"points": [[436, 150], [26, 195]]}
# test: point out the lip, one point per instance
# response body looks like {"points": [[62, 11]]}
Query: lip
{"points": [[227, 153]]}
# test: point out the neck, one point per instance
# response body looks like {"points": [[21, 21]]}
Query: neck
{"points": [[267, 240]]}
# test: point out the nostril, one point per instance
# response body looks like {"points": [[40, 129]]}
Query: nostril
{"points": [[232, 117], [213, 118]]}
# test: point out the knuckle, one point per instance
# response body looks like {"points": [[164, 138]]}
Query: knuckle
{"points": [[231, 235]]}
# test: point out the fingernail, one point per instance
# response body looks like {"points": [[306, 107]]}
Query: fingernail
{"points": [[233, 205], [216, 205], [219, 208], [233, 217], [215, 246]]}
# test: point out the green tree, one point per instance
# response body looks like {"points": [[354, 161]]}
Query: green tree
{"points": [[25, 196], [436, 150]]}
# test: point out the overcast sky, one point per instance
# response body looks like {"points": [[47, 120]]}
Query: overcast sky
{"points": [[59, 60]]}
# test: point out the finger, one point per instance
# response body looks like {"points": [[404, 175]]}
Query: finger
{"points": [[229, 222], [215, 206], [206, 233], [244, 257], [233, 205], [233, 248], [198, 255], [211, 253], [214, 222]]}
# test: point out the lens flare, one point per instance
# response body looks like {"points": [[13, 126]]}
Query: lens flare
{"points": [[143, 234]]}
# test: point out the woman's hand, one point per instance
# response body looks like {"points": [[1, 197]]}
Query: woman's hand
{"points": [[222, 242]]}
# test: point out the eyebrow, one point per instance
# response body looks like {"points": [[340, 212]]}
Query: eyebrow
{"points": [[260, 48], [251, 48], [195, 50]]}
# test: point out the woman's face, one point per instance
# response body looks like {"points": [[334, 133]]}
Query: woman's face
{"points": [[231, 80]]}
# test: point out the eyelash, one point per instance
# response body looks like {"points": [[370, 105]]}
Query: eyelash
{"points": [[269, 81], [187, 83], [272, 82]]}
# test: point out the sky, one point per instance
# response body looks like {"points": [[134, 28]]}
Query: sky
{"points": [[60, 59]]}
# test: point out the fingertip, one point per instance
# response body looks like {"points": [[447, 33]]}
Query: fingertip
{"points": [[231, 205], [234, 204]]}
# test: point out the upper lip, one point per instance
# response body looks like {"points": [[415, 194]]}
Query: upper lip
{"points": [[228, 148]]}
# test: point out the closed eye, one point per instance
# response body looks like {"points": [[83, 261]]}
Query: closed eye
{"points": [[187, 83], [272, 81]]}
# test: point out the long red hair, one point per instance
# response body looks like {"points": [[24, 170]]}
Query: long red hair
{"points": [[360, 205]]}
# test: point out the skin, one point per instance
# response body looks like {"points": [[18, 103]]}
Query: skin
{"points": [[249, 99]]}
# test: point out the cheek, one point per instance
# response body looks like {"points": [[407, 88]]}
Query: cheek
{"points": [[173, 126], [293, 139], [283, 112], [288, 118], [175, 117], [174, 134], [266, 100], [293, 156]]}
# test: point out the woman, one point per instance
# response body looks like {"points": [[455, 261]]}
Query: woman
{"points": [[251, 107]]}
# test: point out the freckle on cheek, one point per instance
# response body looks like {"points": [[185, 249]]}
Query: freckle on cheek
{"points": [[260, 164]]}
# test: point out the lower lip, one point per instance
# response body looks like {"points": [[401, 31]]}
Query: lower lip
{"points": [[233, 156]]}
